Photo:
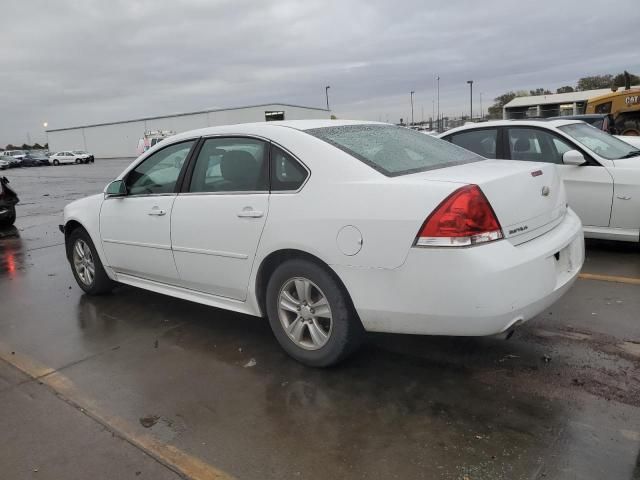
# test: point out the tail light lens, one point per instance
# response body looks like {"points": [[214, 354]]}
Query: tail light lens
{"points": [[464, 218]]}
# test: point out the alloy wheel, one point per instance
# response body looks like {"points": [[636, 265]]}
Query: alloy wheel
{"points": [[83, 262], [305, 313]]}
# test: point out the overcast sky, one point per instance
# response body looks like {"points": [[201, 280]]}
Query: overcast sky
{"points": [[87, 61]]}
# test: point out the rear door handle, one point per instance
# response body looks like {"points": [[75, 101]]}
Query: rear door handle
{"points": [[157, 212], [249, 212]]}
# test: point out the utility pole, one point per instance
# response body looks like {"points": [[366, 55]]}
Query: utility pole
{"points": [[481, 112], [412, 92], [326, 92], [438, 90], [470, 82]]}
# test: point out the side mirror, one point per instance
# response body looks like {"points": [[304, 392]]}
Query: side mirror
{"points": [[573, 157], [117, 188]]}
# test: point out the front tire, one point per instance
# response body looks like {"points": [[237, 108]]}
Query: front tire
{"points": [[311, 315], [56, 163], [78, 161], [86, 265]]}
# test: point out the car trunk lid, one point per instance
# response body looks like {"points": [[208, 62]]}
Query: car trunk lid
{"points": [[528, 198]]}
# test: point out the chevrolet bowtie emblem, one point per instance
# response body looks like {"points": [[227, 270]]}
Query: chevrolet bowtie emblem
{"points": [[545, 191]]}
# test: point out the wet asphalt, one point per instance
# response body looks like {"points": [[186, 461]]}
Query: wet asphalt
{"points": [[559, 400]]}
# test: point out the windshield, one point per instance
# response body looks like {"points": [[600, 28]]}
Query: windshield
{"points": [[394, 150], [605, 145]]}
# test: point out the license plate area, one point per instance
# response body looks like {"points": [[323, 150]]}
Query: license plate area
{"points": [[566, 262]]}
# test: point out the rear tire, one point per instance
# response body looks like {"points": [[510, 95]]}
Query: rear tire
{"points": [[7, 222], [317, 324], [86, 265]]}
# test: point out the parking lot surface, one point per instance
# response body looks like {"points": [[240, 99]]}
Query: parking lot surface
{"points": [[138, 385]]}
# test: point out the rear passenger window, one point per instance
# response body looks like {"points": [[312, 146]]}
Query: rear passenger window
{"points": [[232, 164], [286, 172], [483, 141]]}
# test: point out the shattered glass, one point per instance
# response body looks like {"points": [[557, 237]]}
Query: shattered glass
{"points": [[394, 150]]}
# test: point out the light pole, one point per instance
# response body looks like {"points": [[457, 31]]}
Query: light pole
{"points": [[412, 92], [438, 89], [470, 82], [326, 93], [45, 125], [481, 112]]}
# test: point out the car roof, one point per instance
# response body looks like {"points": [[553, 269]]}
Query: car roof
{"points": [[511, 123], [263, 128]]}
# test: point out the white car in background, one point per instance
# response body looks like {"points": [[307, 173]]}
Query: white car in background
{"points": [[13, 157], [331, 228], [68, 156], [601, 172]]}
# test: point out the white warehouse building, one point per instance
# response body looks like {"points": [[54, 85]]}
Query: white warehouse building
{"points": [[120, 139]]}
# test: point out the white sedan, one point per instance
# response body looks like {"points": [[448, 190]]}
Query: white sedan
{"points": [[331, 229], [601, 172], [69, 156]]}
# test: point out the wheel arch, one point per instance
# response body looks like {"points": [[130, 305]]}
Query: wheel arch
{"points": [[271, 262], [70, 227]]}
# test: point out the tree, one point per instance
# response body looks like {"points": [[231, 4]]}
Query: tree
{"points": [[618, 80], [37, 146], [565, 89], [11, 147], [539, 91], [595, 82], [495, 110], [25, 147]]}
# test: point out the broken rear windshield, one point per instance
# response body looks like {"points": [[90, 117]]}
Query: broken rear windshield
{"points": [[394, 150]]}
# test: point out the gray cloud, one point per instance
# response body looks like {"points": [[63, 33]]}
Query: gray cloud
{"points": [[72, 62]]}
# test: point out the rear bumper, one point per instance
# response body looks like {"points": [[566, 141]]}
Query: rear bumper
{"points": [[474, 291]]}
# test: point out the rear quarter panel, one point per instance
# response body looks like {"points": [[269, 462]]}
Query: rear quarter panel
{"points": [[343, 191]]}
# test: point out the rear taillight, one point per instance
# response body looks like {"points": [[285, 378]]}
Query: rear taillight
{"points": [[464, 218]]}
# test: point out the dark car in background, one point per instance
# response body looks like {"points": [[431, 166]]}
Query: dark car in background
{"points": [[8, 200], [35, 159]]}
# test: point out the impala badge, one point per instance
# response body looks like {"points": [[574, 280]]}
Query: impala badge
{"points": [[545, 191]]}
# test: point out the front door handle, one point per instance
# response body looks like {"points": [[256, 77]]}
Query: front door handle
{"points": [[249, 212], [157, 212]]}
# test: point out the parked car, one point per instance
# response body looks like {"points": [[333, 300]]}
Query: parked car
{"points": [[35, 159], [602, 121], [601, 172], [4, 163], [89, 158], [332, 228], [14, 157], [68, 156], [14, 153], [8, 201]]}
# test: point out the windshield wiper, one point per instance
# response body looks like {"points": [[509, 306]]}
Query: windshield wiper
{"points": [[633, 153]]}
